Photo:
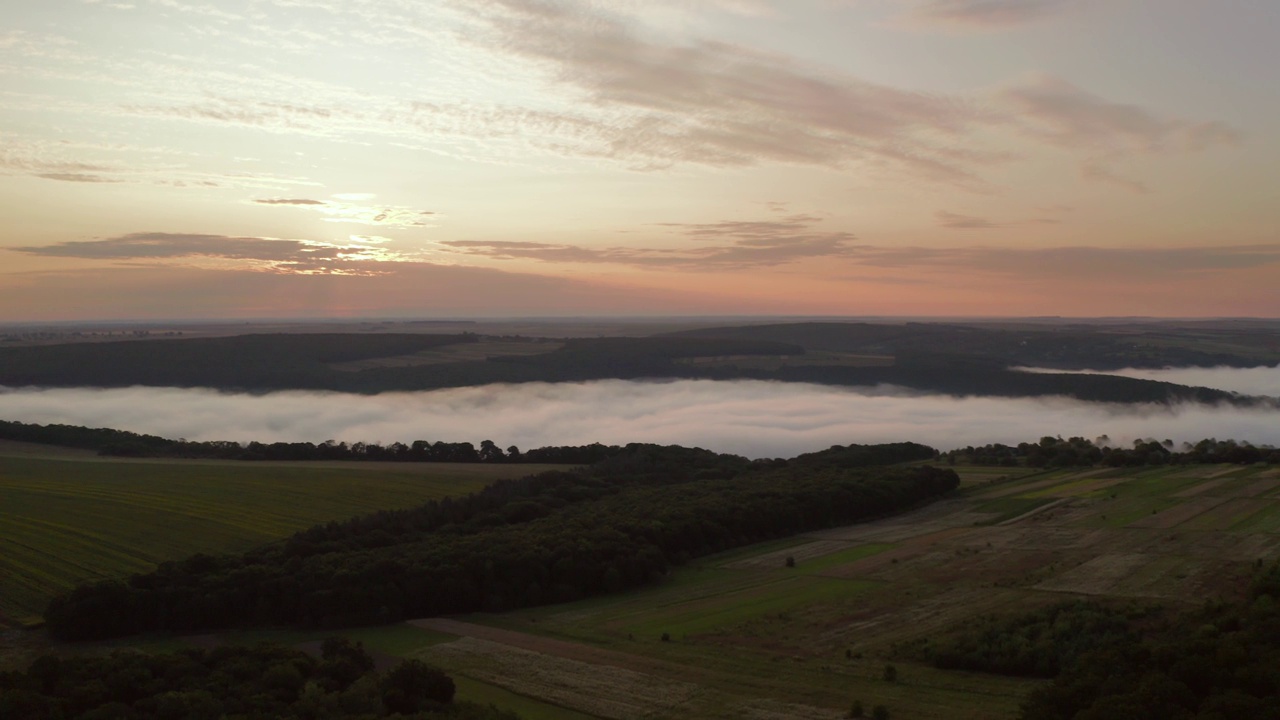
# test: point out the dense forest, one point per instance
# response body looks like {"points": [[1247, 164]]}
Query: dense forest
{"points": [[1221, 662], [264, 682], [551, 537], [1118, 660], [951, 360], [1040, 643]]}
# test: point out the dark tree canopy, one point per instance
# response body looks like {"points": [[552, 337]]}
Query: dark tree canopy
{"points": [[551, 537], [264, 682]]}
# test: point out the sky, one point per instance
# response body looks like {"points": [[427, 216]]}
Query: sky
{"points": [[192, 159]]}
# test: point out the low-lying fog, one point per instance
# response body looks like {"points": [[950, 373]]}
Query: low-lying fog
{"points": [[756, 419], [1247, 381]]}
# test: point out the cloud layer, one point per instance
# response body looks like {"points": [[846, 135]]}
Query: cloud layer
{"points": [[756, 419], [981, 14], [735, 245], [271, 254]]}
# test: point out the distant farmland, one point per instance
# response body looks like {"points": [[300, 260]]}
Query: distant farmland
{"points": [[67, 520]]}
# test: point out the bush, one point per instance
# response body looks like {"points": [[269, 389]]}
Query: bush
{"points": [[414, 686]]}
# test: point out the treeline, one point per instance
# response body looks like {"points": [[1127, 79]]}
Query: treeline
{"points": [[1072, 347], [122, 443], [1079, 452], [248, 362], [949, 374], [262, 682], [1221, 662], [552, 537], [305, 362]]}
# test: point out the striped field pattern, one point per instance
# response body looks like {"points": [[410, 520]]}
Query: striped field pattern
{"points": [[65, 521]]}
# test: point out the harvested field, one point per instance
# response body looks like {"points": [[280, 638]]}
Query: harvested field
{"points": [[1261, 487], [605, 691], [1201, 488], [1075, 488], [800, 553], [943, 515], [772, 710], [1097, 576], [461, 352], [1178, 514], [1034, 512], [1160, 577], [1265, 520], [1199, 471], [1007, 508], [1227, 515], [1025, 488]]}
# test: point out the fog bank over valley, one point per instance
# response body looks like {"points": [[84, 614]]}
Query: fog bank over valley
{"points": [[756, 419], [1246, 381]]}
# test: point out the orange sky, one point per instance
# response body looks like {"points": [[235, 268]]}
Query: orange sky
{"points": [[275, 158]]}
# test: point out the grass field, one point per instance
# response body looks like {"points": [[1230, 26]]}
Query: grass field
{"points": [[65, 520]]}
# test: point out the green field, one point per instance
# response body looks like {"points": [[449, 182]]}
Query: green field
{"points": [[748, 636], [758, 639], [68, 520]]}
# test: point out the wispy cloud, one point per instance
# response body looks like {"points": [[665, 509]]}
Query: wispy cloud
{"points": [[756, 246], [289, 201], [720, 104], [981, 14], [102, 162], [1066, 115], [956, 221], [256, 253], [737, 245], [1060, 113], [598, 82], [1164, 263], [77, 177], [234, 290]]}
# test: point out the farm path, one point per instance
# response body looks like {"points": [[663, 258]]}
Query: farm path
{"points": [[685, 683]]}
